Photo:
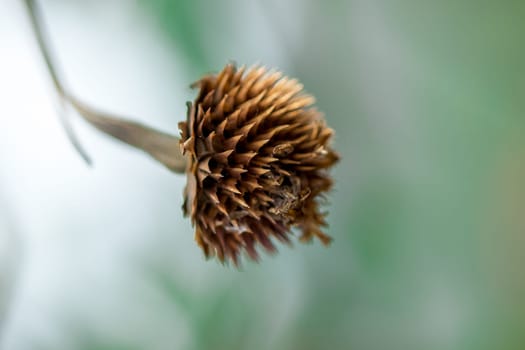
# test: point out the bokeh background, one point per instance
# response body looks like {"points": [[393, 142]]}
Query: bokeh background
{"points": [[428, 213]]}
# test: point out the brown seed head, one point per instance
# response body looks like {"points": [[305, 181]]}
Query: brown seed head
{"points": [[258, 156]]}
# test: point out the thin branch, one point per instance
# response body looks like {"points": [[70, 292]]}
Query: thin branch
{"points": [[37, 26], [161, 146]]}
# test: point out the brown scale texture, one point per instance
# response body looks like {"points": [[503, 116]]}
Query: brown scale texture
{"points": [[258, 156]]}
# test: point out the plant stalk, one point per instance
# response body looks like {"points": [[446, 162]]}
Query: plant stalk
{"points": [[161, 146]]}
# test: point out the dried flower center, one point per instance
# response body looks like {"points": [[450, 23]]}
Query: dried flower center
{"points": [[259, 154]]}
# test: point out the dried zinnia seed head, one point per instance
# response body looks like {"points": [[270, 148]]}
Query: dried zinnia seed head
{"points": [[258, 156]]}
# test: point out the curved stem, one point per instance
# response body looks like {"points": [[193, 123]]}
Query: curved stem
{"points": [[38, 30], [161, 146]]}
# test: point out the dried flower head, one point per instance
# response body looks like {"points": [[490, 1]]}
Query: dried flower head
{"points": [[258, 156]]}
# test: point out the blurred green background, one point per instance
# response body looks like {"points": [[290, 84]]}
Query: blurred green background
{"points": [[427, 215]]}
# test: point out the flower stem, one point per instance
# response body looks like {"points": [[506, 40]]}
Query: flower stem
{"points": [[161, 146]]}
